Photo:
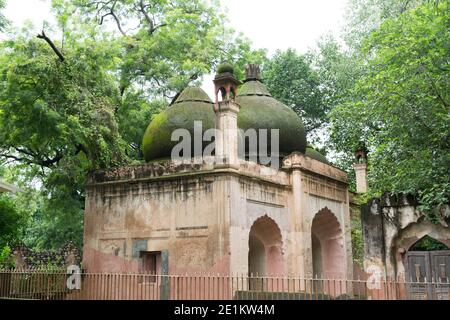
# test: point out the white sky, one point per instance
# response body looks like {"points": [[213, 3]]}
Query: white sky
{"points": [[270, 24]]}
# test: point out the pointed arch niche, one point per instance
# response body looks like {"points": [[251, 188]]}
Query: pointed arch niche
{"points": [[327, 240], [265, 255]]}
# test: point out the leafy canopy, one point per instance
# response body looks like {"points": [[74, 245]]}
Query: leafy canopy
{"points": [[400, 107]]}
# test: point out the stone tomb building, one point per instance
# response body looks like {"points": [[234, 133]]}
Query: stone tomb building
{"points": [[234, 217]]}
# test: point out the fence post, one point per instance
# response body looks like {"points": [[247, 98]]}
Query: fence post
{"points": [[165, 288]]}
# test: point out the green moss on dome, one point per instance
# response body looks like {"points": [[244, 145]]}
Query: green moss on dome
{"points": [[258, 111], [193, 94], [253, 88], [157, 138], [262, 112], [224, 68], [314, 154]]}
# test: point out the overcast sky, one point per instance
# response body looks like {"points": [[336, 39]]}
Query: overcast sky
{"points": [[278, 24], [271, 24]]}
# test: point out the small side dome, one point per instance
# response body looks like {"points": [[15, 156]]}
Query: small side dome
{"points": [[193, 104], [316, 155]]}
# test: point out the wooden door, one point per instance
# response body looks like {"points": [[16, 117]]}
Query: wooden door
{"points": [[440, 271], [418, 274], [428, 274]]}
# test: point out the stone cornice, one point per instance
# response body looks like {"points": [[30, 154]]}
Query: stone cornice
{"points": [[171, 171], [298, 161]]}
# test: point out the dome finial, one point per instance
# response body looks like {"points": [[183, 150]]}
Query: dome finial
{"points": [[252, 72]]}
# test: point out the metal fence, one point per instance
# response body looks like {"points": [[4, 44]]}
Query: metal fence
{"points": [[59, 285]]}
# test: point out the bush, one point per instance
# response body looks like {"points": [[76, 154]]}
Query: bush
{"points": [[225, 67], [6, 261]]}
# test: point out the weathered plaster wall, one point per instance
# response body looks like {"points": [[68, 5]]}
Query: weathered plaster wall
{"points": [[391, 225], [185, 216]]}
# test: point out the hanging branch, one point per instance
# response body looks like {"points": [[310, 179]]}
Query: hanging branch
{"points": [[52, 45]]}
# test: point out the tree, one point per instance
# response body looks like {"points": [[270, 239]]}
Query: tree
{"points": [[290, 79], [3, 20], [57, 117], [400, 107], [364, 16], [11, 221], [166, 44]]}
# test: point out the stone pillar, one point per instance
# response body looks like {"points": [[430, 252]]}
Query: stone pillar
{"points": [[293, 163], [361, 177], [227, 133]]}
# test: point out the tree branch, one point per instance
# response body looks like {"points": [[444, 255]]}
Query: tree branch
{"points": [[146, 16], [149, 20], [112, 14], [52, 45]]}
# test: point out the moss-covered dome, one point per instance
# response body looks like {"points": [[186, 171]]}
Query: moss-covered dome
{"points": [[312, 153], [259, 110], [193, 104]]}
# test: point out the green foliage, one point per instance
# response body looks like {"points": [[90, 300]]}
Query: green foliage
{"points": [[57, 122], [133, 117], [5, 258], [165, 45], [337, 71], [11, 221], [364, 16], [400, 106], [50, 111], [225, 67], [291, 79], [428, 244], [3, 20], [357, 240]]}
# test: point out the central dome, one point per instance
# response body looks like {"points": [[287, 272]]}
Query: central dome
{"points": [[259, 110]]}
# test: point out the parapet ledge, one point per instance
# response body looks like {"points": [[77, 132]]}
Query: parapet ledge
{"points": [[298, 161], [172, 169]]}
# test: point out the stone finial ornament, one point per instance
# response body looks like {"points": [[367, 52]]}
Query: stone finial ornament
{"points": [[252, 72]]}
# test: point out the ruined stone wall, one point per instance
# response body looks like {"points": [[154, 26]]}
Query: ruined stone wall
{"points": [[182, 208], [25, 258], [252, 200], [391, 225], [318, 190]]}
